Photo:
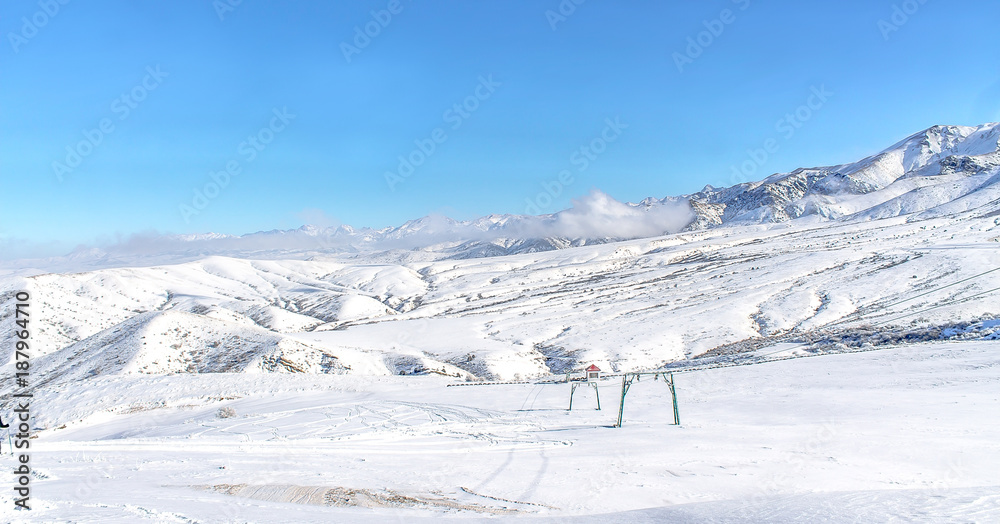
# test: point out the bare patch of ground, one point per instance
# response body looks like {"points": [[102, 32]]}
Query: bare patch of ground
{"points": [[351, 497]]}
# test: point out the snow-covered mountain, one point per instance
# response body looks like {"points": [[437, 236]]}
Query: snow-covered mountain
{"points": [[278, 385], [794, 254], [625, 305], [938, 170], [941, 170]]}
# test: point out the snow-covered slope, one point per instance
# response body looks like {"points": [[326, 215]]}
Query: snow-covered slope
{"points": [[899, 435], [625, 305], [528, 305]]}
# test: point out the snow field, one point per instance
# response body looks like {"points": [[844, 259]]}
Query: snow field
{"points": [[908, 432]]}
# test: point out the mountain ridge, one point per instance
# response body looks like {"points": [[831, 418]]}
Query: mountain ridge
{"points": [[927, 173], [962, 149]]}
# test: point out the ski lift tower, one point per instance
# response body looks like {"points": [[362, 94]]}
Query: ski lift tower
{"points": [[591, 376]]}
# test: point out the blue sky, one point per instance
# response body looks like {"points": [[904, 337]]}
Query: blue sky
{"points": [[181, 87]]}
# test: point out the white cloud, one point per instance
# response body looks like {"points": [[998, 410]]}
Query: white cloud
{"points": [[597, 215]]}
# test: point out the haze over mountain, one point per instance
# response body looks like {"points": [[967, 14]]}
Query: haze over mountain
{"points": [[937, 171]]}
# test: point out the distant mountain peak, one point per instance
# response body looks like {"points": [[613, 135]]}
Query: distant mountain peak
{"points": [[942, 169]]}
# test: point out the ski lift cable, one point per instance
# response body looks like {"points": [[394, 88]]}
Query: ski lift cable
{"points": [[950, 303], [859, 315]]}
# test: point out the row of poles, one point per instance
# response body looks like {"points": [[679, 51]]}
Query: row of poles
{"points": [[627, 380]]}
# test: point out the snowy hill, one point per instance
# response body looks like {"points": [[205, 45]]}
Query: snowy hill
{"points": [[626, 305], [794, 255]]}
